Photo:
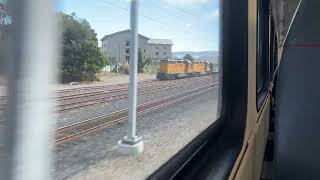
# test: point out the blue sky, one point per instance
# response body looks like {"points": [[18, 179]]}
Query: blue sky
{"points": [[193, 25]]}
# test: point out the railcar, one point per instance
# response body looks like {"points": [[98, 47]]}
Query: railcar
{"points": [[177, 69]]}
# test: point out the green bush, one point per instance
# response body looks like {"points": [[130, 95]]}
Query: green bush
{"points": [[124, 69], [82, 57]]}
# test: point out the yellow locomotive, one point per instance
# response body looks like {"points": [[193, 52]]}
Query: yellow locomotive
{"points": [[176, 69]]}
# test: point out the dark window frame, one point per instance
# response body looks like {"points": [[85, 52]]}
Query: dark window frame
{"points": [[213, 153], [262, 52], [127, 58], [127, 43]]}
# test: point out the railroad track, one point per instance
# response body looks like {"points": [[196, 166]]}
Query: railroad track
{"points": [[109, 96], [107, 93], [97, 87], [115, 88], [77, 130]]}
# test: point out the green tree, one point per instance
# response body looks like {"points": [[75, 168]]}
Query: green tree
{"points": [[141, 62], [82, 57], [4, 33], [4, 17], [188, 57]]}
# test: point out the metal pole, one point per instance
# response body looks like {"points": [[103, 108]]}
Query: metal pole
{"points": [[31, 70], [131, 144], [133, 71]]}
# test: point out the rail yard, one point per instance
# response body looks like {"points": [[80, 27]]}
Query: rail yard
{"points": [[87, 142], [94, 117]]}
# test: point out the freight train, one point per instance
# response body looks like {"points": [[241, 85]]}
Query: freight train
{"points": [[177, 69]]}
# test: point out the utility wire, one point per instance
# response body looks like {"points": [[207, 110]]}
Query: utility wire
{"points": [[179, 8], [153, 20], [179, 18], [146, 17]]}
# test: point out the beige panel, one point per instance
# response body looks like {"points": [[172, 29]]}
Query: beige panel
{"points": [[251, 164], [251, 109], [252, 113]]}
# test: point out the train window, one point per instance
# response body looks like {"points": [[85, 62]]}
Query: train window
{"points": [[263, 59], [99, 129], [273, 50]]}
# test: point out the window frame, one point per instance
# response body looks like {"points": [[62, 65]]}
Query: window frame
{"points": [[127, 58], [128, 43], [213, 153], [262, 52]]}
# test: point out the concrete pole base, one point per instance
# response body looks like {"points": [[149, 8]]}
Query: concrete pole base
{"points": [[130, 147]]}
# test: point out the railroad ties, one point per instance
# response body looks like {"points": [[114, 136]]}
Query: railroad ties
{"points": [[84, 97]]}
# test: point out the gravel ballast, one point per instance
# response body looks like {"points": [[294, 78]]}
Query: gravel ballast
{"points": [[164, 133], [75, 116]]}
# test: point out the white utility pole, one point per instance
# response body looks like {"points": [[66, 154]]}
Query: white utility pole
{"points": [[132, 144]]}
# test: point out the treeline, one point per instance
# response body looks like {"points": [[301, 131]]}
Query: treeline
{"points": [[82, 57]]}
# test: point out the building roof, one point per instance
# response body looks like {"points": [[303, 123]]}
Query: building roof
{"points": [[119, 32], [160, 41]]}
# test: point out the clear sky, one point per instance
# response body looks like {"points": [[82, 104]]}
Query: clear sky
{"points": [[193, 25]]}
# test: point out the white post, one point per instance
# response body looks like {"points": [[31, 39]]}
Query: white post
{"points": [[132, 144], [133, 71], [32, 64]]}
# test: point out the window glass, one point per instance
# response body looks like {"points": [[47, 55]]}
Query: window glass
{"points": [[263, 59], [177, 90]]}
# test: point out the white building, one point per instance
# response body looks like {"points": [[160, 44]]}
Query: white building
{"points": [[160, 49], [117, 47]]}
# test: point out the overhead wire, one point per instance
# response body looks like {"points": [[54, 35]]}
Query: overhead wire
{"points": [[147, 17], [179, 8]]}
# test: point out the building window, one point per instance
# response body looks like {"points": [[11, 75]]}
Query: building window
{"points": [[164, 53], [127, 43], [157, 53], [157, 48], [127, 59], [128, 50], [144, 50], [165, 48]]}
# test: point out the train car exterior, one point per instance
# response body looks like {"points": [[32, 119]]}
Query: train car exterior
{"points": [[171, 69], [176, 69], [199, 68]]}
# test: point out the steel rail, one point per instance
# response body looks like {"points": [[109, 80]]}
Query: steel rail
{"points": [[97, 99], [145, 107]]}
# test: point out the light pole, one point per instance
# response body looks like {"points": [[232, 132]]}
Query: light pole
{"points": [[132, 144]]}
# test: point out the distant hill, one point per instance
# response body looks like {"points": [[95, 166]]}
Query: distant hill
{"points": [[211, 56]]}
